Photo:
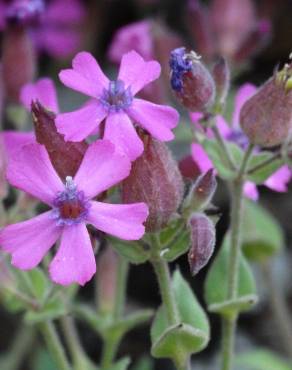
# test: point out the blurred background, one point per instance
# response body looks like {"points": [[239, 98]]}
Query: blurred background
{"points": [[254, 36]]}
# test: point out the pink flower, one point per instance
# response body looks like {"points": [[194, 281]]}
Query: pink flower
{"points": [[42, 90], [134, 36], [115, 102], [72, 208], [278, 181], [53, 25]]}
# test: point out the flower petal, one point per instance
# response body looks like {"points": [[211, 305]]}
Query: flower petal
{"points": [[250, 190], [122, 220], [201, 158], [64, 12], [121, 132], [86, 75], [74, 262], [14, 140], [43, 90], [101, 168], [245, 92], [29, 241], [158, 120], [279, 180], [30, 170], [137, 73], [77, 125], [223, 127]]}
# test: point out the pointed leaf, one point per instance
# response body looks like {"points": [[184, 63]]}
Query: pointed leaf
{"points": [[133, 251], [262, 359], [262, 174], [262, 236], [216, 284]]}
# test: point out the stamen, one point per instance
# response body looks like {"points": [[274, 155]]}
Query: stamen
{"points": [[116, 98]]}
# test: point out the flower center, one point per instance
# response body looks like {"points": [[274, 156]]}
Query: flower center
{"points": [[70, 205], [25, 11], [116, 98]]}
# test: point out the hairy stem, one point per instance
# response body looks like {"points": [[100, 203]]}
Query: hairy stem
{"points": [[77, 353], [54, 345], [164, 281], [224, 148], [229, 323], [111, 342]]}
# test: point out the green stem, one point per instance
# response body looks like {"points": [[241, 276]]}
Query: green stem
{"points": [[224, 147], [111, 342], [77, 353], [121, 289], [54, 345], [163, 277], [229, 323], [228, 336]]}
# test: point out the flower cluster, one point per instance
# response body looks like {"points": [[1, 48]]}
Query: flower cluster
{"points": [[105, 163]]}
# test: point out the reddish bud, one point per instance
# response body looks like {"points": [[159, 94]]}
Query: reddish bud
{"points": [[203, 238], [201, 193], [107, 266], [188, 168], [221, 75], [19, 60], [266, 118], [191, 81], [66, 156], [155, 179]]}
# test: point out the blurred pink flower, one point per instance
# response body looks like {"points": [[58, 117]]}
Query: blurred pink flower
{"points": [[134, 36], [278, 181], [55, 25], [115, 102], [230, 28], [72, 208]]}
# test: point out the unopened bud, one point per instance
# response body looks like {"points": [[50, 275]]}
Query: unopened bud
{"points": [[221, 75], [201, 193], [107, 266], [155, 180], [18, 60], [66, 156], [191, 81], [188, 168], [203, 238], [266, 118]]}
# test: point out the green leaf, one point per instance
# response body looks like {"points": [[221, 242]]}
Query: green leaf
{"points": [[190, 335], [262, 236], [168, 234], [214, 152], [39, 283], [262, 360], [262, 174], [132, 251], [121, 364], [216, 284], [146, 363], [52, 310]]}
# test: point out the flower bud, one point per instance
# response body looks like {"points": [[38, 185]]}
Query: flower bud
{"points": [[266, 118], [221, 75], [18, 60], [201, 193], [66, 156], [203, 238], [191, 81], [188, 168], [155, 179], [107, 266]]}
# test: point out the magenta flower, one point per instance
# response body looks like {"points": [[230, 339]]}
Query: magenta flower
{"points": [[72, 208], [54, 25], [115, 102], [134, 36], [43, 91], [278, 181]]}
